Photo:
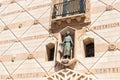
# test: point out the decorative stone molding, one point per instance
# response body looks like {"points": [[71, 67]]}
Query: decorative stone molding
{"points": [[20, 25], [59, 22], [88, 73], [78, 19], [13, 58], [36, 22], [68, 20], [5, 28], [112, 47], [30, 56], [109, 7]]}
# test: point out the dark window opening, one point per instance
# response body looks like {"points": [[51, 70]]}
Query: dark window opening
{"points": [[51, 55], [89, 49], [50, 51]]}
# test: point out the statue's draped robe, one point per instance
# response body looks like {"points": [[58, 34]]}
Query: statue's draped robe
{"points": [[67, 44]]}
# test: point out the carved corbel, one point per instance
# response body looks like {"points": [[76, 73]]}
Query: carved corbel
{"points": [[78, 19], [68, 20]]}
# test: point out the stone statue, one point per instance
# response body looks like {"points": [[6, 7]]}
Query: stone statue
{"points": [[67, 44]]}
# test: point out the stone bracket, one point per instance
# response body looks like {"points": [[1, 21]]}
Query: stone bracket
{"points": [[68, 19], [66, 63]]}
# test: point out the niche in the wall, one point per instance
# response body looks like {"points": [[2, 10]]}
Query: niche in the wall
{"points": [[72, 34], [50, 51], [89, 47]]}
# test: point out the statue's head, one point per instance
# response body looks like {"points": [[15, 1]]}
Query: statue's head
{"points": [[68, 33]]}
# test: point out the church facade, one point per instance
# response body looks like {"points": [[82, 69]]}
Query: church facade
{"points": [[59, 40]]}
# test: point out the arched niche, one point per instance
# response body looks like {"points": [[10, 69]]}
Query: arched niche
{"points": [[72, 34], [89, 47], [50, 51]]}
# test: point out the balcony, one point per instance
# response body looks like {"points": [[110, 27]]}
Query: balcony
{"points": [[68, 11]]}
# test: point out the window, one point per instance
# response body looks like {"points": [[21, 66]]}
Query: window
{"points": [[90, 50], [51, 54], [89, 47], [50, 51]]}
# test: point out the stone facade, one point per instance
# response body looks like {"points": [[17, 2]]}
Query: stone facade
{"points": [[28, 35]]}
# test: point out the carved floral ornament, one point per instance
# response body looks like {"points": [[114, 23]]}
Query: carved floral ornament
{"points": [[109, 7], [112, 47]]}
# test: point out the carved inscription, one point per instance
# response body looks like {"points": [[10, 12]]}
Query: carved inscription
{"points": [[106, 26]]}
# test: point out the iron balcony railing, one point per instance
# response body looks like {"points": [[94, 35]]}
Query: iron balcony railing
{"points": [[70, 7]]}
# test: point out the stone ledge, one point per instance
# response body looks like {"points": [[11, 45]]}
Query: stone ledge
{"points": [[68, 19]]}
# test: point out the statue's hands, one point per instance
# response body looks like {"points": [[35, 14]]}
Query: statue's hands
{"points": [[61, 44]]}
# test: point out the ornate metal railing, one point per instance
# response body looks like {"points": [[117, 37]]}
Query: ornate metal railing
{"points": [[70, 7]]}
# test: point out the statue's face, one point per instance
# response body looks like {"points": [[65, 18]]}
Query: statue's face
{"points": [[67, 33]]}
